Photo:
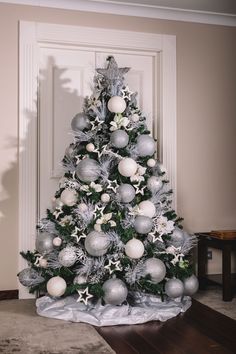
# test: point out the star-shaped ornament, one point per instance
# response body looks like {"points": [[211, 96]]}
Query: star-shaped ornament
{"points": [[99, 210], [113, 266], [84, 296], [113, 185], [57, 212], [96, 123], [112, 72], [139, 190], [155, 236], [38, 258], [126, 93], [77, 235]]}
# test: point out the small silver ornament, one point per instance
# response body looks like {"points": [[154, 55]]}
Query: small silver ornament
{"points": [[146, 145], [154, 184], [125, 193], [96, 243], [191, 285], [143, 224], [105, 198], [155, 268], [43, 263], [115, 291], [177, 237], [44, 242], [80, 122], [174, 288], [119, 138], [67, 256], [88, 170], [30, 277], [80, 279]]}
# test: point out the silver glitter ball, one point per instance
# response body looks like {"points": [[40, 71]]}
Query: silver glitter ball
{"points": [[177, 237], [88, 170], [67, 256], [96, 243], [143, 224], [125, 193], [80, 122], [174, 288], [154, 184], [155, 268], [80, 279], [191, 285], [146, 145], [115, 291], [30, 277], [119, 139], [44, 242]]}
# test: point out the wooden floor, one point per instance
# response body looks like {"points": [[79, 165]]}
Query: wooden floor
{"points": [[200, 330]]}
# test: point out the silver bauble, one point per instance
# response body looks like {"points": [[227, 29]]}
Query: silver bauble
{"points": [[88, 170], [174, 288], [67, 256], [191, 285], [30, 277], [125, 193], [177, 237], [115, 291], [80, 122], [143, 224], [96, 243], [154, 184], [119, 138], [44, 242], [155, 268], [146, 145]]}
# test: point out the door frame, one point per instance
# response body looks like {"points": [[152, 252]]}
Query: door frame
{"points": [[33, 36]]}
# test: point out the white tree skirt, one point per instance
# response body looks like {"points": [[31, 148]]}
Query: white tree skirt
{"points": [[147, 308]]}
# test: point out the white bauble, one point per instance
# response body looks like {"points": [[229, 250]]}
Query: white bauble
{"points": [[80, 122], [69, 197], [125, 193], [143, 224], [80, 279], [44, 242], [154, 184], [57, 241], [56, 286], [116, 104], [96, 243], [174, 288], [127, 167], [119, 138], [90, 147], [155, 268], [147, 208], [88, 170], [115, 291], [146, 145], [135, 117], [43, 263], [134, 248], [191, 285], [105, 198], [82, 207], [151, 162], [67, 256]]}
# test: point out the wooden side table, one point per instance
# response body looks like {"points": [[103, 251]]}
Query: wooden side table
{"points": [[227, 246]]}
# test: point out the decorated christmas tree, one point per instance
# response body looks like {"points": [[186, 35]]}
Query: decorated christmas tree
{"points": [[111, 249]]}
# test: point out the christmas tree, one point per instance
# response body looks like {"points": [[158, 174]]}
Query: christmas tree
{"points": [[111, 239]]}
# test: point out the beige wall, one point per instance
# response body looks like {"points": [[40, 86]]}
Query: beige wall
{"points": [[206, 120]]}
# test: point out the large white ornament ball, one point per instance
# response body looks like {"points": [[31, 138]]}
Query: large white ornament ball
{"points": [[56, 286], [143, 224], [115, 291], [57, 241], [44, 242], [90, 147], [116, 104], [96, 243], [126, 193], [191, 285], [88, 170], [134, 248], [119, 138], [155, 268], [67, 256], [80, 279], [80, 122], [105, 198], [146, 145], [147, 208], [69, 197], [154, 184], [174, 288], [127, 167], [151, 162]]}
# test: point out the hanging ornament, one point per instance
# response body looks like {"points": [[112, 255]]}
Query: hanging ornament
{"points": [[146, 145], [143, 224], [147, 208], [116, 104], [112, 266], [43, 263], [84, 296], [90, 147], [155, 268], [125, 193], [174, 288], [191, 285], [135, 118], [115, 291], [30, 277], [127, 167], [96, 243], [80, 122], [177, 237], [57, 241], [134, 248], [82, 207], [154, 184], [151, 162], [44, 242], [80, 279], [67, 256], [88, 170], [105, 198], [119, 138], [56, 286], [69, 197]]}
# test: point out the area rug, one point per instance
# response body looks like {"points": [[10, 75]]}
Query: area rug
{"points": [[23, 331]]}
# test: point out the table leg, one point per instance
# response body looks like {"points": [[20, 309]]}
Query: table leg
{"points": [[202, 264], [226, 273]]}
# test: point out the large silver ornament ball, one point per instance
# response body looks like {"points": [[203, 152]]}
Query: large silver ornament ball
{"points": [[191, 285], [67, 256], [174, 288], [143, 224], [177, 237], [125, 193], [154, 184], [56, 286], [146, 145], [88, 170], [80, 122], [115, 291], [30, 277], [155, 268], [44, 242], [116, 104], [96, 243], [119, 139]]}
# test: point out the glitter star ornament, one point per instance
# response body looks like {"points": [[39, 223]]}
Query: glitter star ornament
{"points": [[84, 296], [113, 266]]}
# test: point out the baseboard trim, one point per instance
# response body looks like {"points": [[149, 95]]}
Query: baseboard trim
{"points": [[8, 294]]}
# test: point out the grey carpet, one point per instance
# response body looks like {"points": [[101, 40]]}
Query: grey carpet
{"points": [[22, 331]]}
